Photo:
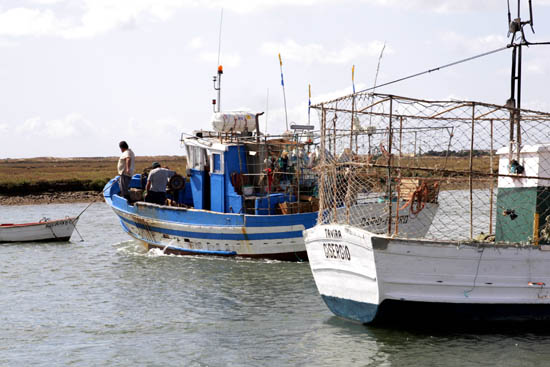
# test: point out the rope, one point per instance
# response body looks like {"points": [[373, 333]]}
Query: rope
{"points": [[436, 69], [74, 226], [468, 291], [86, 208], [82, 212]]}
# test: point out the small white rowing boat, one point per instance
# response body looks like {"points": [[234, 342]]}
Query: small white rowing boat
{"points": [[45, 230]]}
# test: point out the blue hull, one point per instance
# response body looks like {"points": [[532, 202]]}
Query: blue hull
{"points": [[201, 232], [352, 310]]}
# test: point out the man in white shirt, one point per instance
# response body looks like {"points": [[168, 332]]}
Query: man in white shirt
{"points": [[125, 169], [156, 184]]}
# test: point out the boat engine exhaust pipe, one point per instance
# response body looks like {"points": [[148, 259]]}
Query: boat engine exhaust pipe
{"points": [[258, 126]]}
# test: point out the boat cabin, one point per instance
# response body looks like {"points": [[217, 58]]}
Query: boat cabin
{"points": [[232, 171]]}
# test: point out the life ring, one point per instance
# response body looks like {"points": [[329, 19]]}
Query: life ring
{"points": [[418, 199]]}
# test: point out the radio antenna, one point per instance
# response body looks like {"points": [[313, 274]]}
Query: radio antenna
{"points": [[216, 103], [266, 109], [220, 37], [514, 102], [531, 16], [509, 17]]}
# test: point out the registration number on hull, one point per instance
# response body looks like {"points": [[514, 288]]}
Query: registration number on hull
{"points": [[58, 223], [336, 251]]}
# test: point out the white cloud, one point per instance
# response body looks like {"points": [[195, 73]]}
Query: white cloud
{"points": [[159, 128], [72, 125], [97, 17], [47, 2], [247, 6], [477, 44], [317, 53], [196, 43], [231, 59], [25, 22], [102, 16], [441, 6]]}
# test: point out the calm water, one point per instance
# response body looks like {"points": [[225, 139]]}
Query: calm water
{"points": [[104, 301]]}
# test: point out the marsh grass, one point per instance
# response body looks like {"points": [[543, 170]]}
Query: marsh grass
{"points": [[20, 176]]}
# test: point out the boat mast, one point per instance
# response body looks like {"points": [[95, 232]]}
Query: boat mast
{"points": [[216, 103], [218, 77], [514, 103]]}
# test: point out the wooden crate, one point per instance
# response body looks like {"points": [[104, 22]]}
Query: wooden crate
{"points": [[294, 208], [136, 194]]}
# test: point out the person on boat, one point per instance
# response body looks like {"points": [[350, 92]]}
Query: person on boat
{"points": [[156, 184], [282, 163], [125, 168]]}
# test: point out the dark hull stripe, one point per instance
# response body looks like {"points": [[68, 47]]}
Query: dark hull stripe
{"points": [[54, 239], [294, 256], [426, 313]]}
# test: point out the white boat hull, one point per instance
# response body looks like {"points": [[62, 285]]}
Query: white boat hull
{"points": [[50, 230], [364, 277]]}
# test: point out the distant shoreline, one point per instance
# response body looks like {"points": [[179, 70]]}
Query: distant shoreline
{"points": [[52, 198], [46, 180]]}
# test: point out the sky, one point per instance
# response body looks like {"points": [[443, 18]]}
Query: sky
{"points": [[78, 76]]}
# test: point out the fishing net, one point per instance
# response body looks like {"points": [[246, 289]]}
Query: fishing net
{"points": [[430, 169]]}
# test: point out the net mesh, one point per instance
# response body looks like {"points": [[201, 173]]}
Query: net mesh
{"points": [[430, 169]]}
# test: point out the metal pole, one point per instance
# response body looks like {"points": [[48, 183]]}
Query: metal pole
{"points": [[322, 165], [512, 103], [518, 110], [492, 183], [352, 123], [390, 142], [471, 174], [397, 204], [334, 132]]}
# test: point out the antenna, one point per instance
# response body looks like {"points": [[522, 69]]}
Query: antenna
{"points": [[266, 110], [531, 16], [283, 84], [218, 77], [509, 18], [514, 103], [376, 75], [220, 37]]}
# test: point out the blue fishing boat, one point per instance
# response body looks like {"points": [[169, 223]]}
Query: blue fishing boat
{"points": [[243, 194], [230, 205]]}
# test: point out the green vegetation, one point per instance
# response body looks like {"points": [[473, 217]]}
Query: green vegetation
{"points": [[35, 175]]}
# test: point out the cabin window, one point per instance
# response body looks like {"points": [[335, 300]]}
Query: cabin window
{"points": [[217, 163], [197, 157]]}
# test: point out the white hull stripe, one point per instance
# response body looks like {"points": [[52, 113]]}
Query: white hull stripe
{"points": [[216, 235]]}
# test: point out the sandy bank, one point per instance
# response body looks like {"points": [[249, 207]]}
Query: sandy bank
{"points": [[52, 198]]}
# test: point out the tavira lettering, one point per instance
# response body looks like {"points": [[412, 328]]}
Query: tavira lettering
{"points": [[336, 251], [333, 233]]}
